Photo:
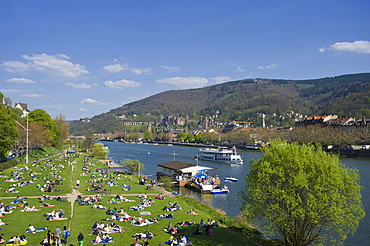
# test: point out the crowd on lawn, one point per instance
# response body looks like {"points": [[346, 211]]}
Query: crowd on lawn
{"points": [[45, 176], [101, 179], [98, 180]]}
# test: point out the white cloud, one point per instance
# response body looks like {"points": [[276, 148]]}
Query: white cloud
{"points": [[56, 65], [83, 110], [79, 86], [121, 84], [15, 66], [267, 67], [172, 69], [52, 106], [33, 95], [362, 47], [7, 91], [181, 82], [20, 80], [322, 50], [240, 70], [92, 101], [220, 79], [116, 68], [53, 65]]}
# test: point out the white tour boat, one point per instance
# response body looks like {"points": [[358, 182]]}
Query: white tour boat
{"points": [[221, 154]]}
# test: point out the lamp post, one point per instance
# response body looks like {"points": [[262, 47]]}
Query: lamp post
{"points": [[26, 129]]}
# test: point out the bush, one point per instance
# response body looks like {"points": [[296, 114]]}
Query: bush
{"points": [[8, 164]]}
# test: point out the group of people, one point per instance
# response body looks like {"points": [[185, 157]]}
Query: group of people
{"points": [[57, 238], [55, 215], [104, 228]]}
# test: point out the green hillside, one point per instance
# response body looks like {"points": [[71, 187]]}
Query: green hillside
{"points": [[346, 95]]}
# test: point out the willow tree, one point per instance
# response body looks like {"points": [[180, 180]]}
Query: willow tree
{"points": [[305, 194], [134, 166], [99, 151]]}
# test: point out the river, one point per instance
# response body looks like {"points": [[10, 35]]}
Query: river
{"points": [[153, 155]]}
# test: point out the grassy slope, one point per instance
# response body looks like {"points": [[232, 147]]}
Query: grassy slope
{"points": [[85, 216]]}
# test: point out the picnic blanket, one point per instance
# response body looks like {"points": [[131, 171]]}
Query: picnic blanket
{"points": [[12, 244], [145, 213], [33, 210], [143, 224], [102, 242], [58, 219]]}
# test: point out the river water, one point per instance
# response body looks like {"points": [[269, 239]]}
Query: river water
{"points": [[153, 155]]}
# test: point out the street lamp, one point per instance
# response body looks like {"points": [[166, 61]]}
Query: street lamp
{"points": [[26, 129]]}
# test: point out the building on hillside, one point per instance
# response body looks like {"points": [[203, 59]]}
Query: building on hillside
{"points": [[87, 119], [363, 122], [229, 128], [23, 107], [119, 134], [315, 120]]}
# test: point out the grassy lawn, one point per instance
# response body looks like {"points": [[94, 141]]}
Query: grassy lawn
{"points": [[84, 216]]}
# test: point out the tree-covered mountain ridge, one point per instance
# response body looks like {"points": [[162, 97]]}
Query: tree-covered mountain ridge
{"points": [[247, 99]]}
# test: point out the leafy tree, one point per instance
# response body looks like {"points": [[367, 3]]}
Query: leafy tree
{"points": [[190, 137], [38, 136], [99, 151], [148, 135], [199, 137], [40, 116], [181, 136], [63, 125], [210, 137], [134, 166], [305, 194], [89, 140], [8, 130], [167, 181]]}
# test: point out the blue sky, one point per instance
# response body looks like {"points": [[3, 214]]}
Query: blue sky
{"points": [[83, 58]]}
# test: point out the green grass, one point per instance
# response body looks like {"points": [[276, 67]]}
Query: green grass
{"points": [[17, 222], [229, 233]]}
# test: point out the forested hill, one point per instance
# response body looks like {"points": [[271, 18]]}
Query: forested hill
{"points": [[346, 95]]}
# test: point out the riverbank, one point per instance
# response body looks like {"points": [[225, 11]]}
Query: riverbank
{"points": [[342, 151]]}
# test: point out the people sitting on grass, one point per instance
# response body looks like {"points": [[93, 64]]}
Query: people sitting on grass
{"points": [[98, 206], [186, 223], [160, 197], [198, 231], [30, 209], [209, 231], [116, 228], [136, 208], [142, 196], [172, 241], [174, 207], [146, 235], [166, 216], [32, 229], [45, 204], [113, 201], [192, 212], [184, 240], [11, 190], [14, 240]]}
